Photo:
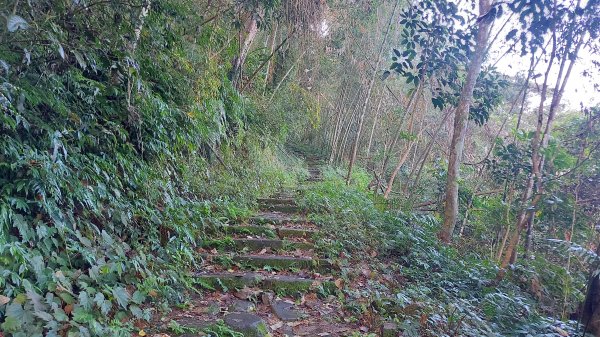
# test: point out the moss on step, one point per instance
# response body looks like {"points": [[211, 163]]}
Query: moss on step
{"points": [[281, 284], [283, 262]]}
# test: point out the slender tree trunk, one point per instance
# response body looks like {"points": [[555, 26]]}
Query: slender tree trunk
{"points": [[539, 142], [240, 59], [286, 75], [423, 159], [373, 126], [529, 235], [460, 123], [390, 148], [368, 96], [402, 159], [271, 62]]}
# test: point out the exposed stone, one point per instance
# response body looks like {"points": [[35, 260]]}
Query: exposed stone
{"points": [[195, 323], [278, 283], [267, 297], [256, 244], [287, 331], [283, 262], [248, 324], [242, 306], [389, 329], [285, 311]]}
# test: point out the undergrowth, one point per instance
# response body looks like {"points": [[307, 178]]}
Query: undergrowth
{"points": [[114, 161], [440, 291]]}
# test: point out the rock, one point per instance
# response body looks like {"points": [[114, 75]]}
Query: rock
{"points": [[287, 331], [242, 306], [267, 297], [389, 329], [248, 324], [285, 311]]}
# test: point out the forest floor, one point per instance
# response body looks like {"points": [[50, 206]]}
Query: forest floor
{"points": [[271, 276]]}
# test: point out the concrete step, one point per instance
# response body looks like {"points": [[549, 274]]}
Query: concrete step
{"points": [[278, 218], [286, 284], [276, 201], [279, 262], [283, 208], [284, 262], [258, 244], [271, 232]]}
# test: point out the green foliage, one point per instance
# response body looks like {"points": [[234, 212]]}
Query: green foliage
{"points": [[116, 154]]}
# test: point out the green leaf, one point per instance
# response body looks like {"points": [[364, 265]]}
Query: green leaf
{"points": [[84, 300], [121, 295], [138, 297]]}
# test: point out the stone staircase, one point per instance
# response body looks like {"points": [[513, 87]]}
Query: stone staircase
{"points": [[266, 277]]}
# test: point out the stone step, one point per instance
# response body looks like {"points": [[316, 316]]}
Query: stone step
{"points": [[283, 208], [276, 201], [279, 262], [281, 232], [258, 244], [278, 218], [226, 281], [284, 262]]}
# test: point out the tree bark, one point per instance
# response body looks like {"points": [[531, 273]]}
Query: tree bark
{"points": [[460, 123], [238, 61], [373, 126]]}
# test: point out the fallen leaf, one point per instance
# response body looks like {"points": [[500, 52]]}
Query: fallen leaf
{"points": [[339, 283], [68, 309], [4, 300], [276, 326], [152, 293], [560, 331], [142, 333]]}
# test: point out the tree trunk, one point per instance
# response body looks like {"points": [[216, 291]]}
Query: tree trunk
{"points": [[368, 96], [423, 159], [373, 127], [460, 123], [238, 62], [539, 142], [591, 311], [270, 64]]}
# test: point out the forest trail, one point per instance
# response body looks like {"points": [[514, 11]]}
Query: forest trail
{"points": [[268, 277]]}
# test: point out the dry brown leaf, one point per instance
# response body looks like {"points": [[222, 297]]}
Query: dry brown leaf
{"points": [[276, 326], [4, 299], [560, 331], [68, 309], [339, 283]]}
